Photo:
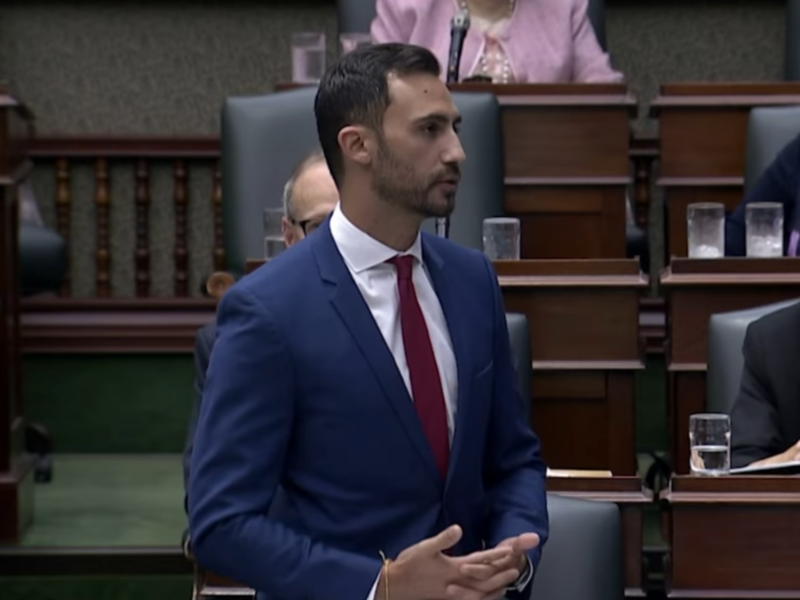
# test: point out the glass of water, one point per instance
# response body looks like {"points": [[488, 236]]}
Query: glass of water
{"points": [[308, 57], [710, 444], [350, 41], [273, 234], [705, 229], [501, 238], [764, 229]]}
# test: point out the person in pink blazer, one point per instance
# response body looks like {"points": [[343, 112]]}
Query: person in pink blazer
{"points": [[509, 41]]}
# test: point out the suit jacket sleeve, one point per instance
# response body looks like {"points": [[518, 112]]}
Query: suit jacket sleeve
{"points": [[203, 343], [515, 475], [755, 425], [392, 23], [240, 451], [779, 183], [591, 62]]}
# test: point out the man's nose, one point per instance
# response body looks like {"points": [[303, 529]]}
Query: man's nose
{"points": [[455, 153]]}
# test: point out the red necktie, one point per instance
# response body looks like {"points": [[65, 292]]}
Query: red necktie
{"points": [[426, 387]]}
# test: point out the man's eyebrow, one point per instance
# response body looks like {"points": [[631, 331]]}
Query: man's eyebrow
{"points": [[438, 118]]}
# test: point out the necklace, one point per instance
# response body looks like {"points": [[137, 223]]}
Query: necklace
{"points": [[496, 56]]}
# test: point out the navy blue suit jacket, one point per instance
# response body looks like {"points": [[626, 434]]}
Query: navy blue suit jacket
{"points": [[779, 183], [302, 392]]}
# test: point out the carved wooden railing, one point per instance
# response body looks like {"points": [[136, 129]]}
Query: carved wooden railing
{"points": [[143, 152], [179, 151], [146, 324]]}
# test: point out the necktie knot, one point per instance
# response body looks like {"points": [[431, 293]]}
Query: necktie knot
{"points": [[404, 265]]}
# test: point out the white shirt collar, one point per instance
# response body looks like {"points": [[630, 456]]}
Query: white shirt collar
{"points": [[361, 251]]}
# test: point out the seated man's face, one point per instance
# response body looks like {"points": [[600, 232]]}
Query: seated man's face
{"points": [[313, 199]]}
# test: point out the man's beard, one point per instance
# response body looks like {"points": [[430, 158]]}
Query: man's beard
{"points": [[398, 184]]}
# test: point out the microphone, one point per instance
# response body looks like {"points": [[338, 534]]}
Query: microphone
{"points": [[459, 26]]}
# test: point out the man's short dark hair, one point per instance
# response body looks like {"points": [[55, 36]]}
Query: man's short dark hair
{"points": [[355, 90]]}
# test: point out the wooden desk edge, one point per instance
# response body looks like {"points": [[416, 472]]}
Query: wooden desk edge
{"points": [[728, 279], [729, 498], [588, 365]]}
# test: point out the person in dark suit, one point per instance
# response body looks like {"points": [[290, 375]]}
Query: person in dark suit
{"points": [[765, 420], [779, 183], [367, 374], [309, 197]]}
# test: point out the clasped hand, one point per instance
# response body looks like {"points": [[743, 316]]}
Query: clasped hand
{"points": [[425, 572]]}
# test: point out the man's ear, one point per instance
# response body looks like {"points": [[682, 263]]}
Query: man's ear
{"points": [[356, 144], [287, 231]]}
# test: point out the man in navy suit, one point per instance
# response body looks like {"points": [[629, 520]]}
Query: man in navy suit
{"points": [[367, 373]]}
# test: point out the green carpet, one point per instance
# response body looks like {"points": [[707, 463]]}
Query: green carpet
{"points": [[96, 588], [111, 403], [107, 500]]}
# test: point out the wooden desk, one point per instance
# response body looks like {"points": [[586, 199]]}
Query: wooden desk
{"points": [[584, 321], [567, 165], [703, 137], [734, 537], [632, 498], [16, 469], [694, 290]]}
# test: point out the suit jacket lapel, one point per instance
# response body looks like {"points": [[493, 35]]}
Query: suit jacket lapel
{"points": [[354, 312], [449, 291]]}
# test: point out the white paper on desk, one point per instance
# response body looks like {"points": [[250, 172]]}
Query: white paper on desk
{"points": [[785, 468], [577, 473]]}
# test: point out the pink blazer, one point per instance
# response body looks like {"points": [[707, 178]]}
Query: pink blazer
{"points": [[546, 41]]}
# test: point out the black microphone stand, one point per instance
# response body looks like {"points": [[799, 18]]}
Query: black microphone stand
{"points": [[443, 223]]}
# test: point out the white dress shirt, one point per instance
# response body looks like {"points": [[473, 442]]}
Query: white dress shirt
{"points": [[366, 258]]}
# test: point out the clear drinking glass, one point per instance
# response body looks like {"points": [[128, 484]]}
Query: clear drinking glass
{"points": [[308, 57], [705, 230], [350, 41], [501, 238], [710, 444], [764, 229], [273, 236]]}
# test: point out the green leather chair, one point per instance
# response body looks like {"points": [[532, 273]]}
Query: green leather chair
{"points": [[355, 16], [42, 259], [769, 130], [520, 338], [726, 332], [791, 50], [583, 558], [264, 137]]}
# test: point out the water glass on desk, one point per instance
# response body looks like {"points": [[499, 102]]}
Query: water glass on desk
{"points": [[764, 229], [501, 238], [273, 235], [308, 57], [705, 230], [710, 444]]}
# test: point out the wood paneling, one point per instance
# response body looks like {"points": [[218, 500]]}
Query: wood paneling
{"points": [[734, 537]]}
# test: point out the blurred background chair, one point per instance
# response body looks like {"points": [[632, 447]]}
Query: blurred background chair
{"points": [[520, 339], [769, 130], [726, 332], [583, 556], [42, 259]]}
